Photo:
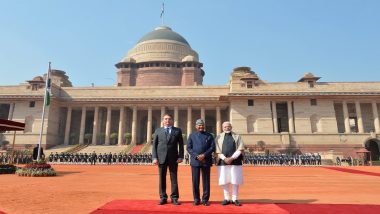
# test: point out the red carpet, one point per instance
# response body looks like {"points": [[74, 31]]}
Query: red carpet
{"points": [[151, 207], [353, 171], [137, 149], [330, 208]]}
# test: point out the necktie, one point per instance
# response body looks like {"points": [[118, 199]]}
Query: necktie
{"points": [[167, 133]]}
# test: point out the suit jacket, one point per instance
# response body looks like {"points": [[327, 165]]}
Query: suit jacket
{"points": [[200, 143], [35, 152], [168, 148]]}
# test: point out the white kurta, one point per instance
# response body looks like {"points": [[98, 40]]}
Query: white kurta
{"points": [[230, 174]]}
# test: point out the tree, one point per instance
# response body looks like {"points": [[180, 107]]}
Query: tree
{"points": [[4, 144], [261, 145]]}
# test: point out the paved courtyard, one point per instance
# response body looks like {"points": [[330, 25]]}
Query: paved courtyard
{"points": [[83, 188]]}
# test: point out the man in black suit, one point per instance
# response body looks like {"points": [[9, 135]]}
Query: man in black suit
{"points": [[200, 146], [35, 152], [93, 158], [167, 152]]}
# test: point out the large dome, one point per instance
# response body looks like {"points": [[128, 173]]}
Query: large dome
{"points": [[163, 32], [162, 44]]}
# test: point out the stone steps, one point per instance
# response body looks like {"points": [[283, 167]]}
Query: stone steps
{"points": [[58, 149], [103, 149]]}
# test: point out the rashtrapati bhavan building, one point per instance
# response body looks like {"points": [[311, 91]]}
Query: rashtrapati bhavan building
{"points": [[163, 74]]}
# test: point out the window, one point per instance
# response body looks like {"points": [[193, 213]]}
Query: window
{"points": [[353, 122], [34, 87], [4, 111], [311, 84], [313, 102], [32, 104], [249, 84], [251, 103]]}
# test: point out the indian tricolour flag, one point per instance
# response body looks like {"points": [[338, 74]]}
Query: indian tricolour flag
{"points": [[162, 10]]}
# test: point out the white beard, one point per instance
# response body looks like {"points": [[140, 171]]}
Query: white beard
{"points": [[227, 132]]}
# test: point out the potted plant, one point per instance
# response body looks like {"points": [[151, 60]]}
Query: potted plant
{"points": [[88, 137], [127, 137], [113, 138]]}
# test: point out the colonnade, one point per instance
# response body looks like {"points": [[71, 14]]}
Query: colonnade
{"points": [[134, 131]]}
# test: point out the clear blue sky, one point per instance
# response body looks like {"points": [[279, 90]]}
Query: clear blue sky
{"points": [[338, 40]]}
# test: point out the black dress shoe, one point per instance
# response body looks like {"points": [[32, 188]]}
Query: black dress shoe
{"points": [[175, 202], [196, 203], [225, 202], [237, 203], [206, 203], [162, 202]]}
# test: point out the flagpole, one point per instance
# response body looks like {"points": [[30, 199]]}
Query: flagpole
{"points": [[43, 112], [162, 13]]}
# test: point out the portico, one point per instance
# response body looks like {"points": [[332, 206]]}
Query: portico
{"points": [[140, 120]]}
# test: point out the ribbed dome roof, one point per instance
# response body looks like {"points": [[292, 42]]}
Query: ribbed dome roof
{"points": [[162, 44], [163, 32]]}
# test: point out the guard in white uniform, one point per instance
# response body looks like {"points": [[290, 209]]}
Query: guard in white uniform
{"points": [[229, 149]]}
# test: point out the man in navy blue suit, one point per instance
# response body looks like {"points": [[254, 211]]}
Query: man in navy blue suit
{"points": [[200, 146]]}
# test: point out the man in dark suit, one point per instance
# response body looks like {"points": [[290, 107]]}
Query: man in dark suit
{"points": [[35, 152], [93, 158], [167, 152], [200, 146]]}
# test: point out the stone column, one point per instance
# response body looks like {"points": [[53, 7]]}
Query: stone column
{"points": [[108, 125], [11, 110], [162, 115], [290, 117], [82, 125], [176, 116], [203, 114], [375, 117], [346, 118], [149, 126], [218, 121], [134, 125], [274, 111], [95, 126], [359, 117], [67, 128], [189, 125], [121, 127]]}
